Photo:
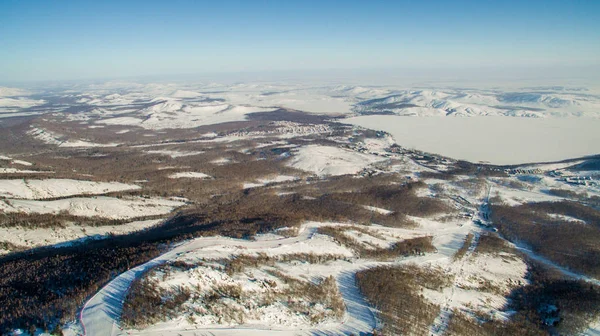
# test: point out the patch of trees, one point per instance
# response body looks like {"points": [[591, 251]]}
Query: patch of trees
{"points": [[402, 200], [549, 304], [239, 263], [146, 303], [570, 244], [8, 246], [556, 304], [461, 324], [566, 194], [395, 292], [404, 248], [47, 287], [464, 248], [490, 243]]}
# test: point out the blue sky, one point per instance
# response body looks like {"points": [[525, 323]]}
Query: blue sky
{"points": [[44, 40]]}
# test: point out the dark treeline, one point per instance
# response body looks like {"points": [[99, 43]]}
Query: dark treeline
{"points": [[396, 293], [556, 304], [60, 220]]}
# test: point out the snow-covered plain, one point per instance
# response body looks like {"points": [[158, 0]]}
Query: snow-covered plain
{"points": [[173, 113], [53, 188], [497, 140], [482, 102], [28, 196], [197, 175], [331, 161], [57, 139], [174, 153], [98, 206], [67, 235], [22, 171]]}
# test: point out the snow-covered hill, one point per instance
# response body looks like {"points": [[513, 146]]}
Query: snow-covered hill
{"points": [[454, 102]]}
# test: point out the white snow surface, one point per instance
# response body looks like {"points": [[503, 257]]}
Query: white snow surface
{"points": [[100, 206], [471, 102], [330, 161], [52, 138], [189, 175], [265, 181], [15, 161], [23, 171], [53, 188], [13, 92], [497, 140], [69, 234], [174, 153], [170, 113]]}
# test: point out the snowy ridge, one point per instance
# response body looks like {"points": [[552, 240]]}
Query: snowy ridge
{"points": [[481, 103]]}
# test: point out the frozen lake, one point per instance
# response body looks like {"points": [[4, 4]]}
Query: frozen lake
{"points": [[496, 140]]}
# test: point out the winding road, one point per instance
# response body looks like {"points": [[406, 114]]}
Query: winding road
{"points": [[100, 315]]}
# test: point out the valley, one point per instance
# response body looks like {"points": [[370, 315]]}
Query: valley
{"points": [[214, 209]]}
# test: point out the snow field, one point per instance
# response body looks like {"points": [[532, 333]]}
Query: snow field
{"points": [[256, 282], [52, 138], [498, 140], [170, 113], [69, 234], [189, 175], [100, 206], [174, 153], [54, 188], [265, 181], [330, 161], [22, 171]]}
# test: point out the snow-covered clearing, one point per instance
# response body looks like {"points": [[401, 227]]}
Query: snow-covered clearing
{"points": [[498, 140], [15, 104], [100, 206], [15, 161], [481, 284], [53, 188], [69, 234], [566, 218], [221, 161], [378, 210], [174, 153], [52, 138], [189, 175], [23, 171], [331, 161], [265, 181], [307, 100], [169, 113], [13, 92], [532, 189]]}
